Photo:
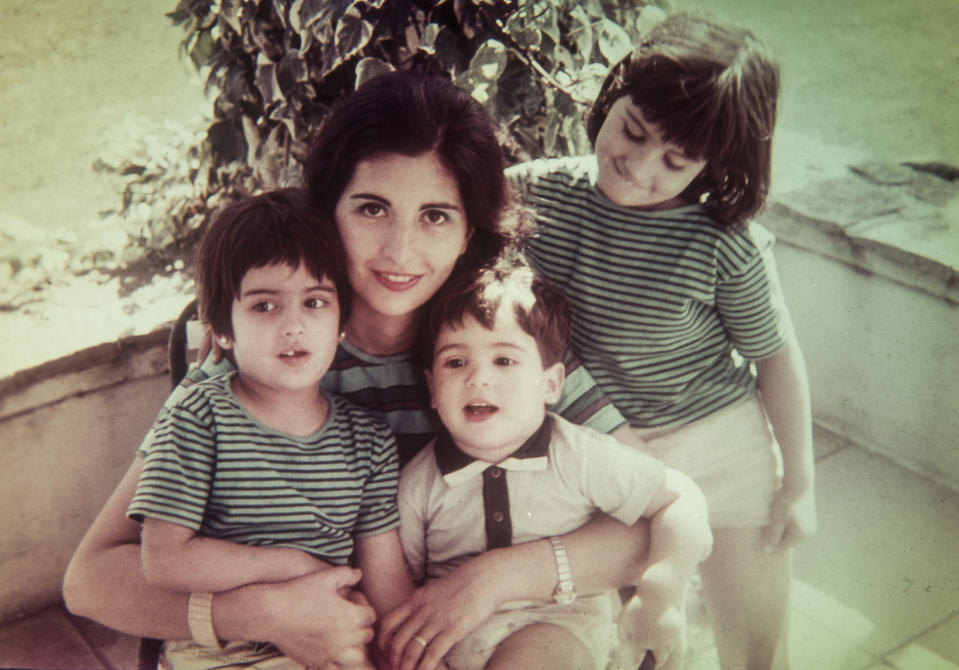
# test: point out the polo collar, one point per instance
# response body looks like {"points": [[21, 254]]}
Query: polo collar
{"points": [[458, 467]]}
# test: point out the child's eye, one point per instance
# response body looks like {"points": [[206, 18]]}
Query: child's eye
{"points": [[263, 306], [504, 361], [454, 363], [636, 138], [315, 303]]}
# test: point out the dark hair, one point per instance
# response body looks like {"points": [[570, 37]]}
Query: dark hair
{"points": [[409, 114], [275, 227], [540, 307], [712, 91]]}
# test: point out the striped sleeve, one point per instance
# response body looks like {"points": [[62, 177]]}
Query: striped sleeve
{"points": [[749, 299], [582, 401], [177, 471], [378, 513]]}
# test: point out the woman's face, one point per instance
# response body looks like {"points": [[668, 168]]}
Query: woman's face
{"points": [[403, 225]]}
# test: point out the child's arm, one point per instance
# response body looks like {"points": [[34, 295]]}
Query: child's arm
{"points": [[386, 579], [680, 539], [176, 558], [785, 393]]}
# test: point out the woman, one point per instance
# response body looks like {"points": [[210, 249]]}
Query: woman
{"points": [[411, 172]]}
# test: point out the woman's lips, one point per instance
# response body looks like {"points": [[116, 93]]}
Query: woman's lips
{"points": [[395, 281]]}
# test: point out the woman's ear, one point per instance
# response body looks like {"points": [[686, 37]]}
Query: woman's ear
{"points": [[555, 376]]}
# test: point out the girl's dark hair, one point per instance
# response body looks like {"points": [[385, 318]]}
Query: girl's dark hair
{"points": [[409, 114], [540, 307], [273, 228], [712, 90]]}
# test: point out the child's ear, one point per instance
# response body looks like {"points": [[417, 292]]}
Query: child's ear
{"points": [[225, 341], [555, 376], [429, 384]]}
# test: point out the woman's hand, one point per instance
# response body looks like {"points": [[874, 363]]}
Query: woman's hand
{"points": [[317, 621], [209, 346], [418, 633]]}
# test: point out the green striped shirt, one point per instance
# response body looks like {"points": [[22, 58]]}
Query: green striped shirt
{"points": [[213, 468], [666, 304]]}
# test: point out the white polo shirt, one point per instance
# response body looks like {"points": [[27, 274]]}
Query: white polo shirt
{"points": [[454, 507]]}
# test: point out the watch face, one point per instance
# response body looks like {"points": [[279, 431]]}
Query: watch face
{"points": [[564, 597]]}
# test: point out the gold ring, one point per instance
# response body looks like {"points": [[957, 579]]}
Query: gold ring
{"points": [[421, 641]]}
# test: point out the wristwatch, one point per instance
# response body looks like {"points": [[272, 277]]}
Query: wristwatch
{"points": [[565, 592]]}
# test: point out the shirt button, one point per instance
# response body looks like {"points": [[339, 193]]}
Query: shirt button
{"points": [[498, 517], [495, 472]]}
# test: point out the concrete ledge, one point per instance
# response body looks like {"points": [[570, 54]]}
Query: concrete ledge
{"points": [[877, 316], [68, 430]]}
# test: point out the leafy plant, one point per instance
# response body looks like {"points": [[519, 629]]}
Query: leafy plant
{"points": [[279, 65]]}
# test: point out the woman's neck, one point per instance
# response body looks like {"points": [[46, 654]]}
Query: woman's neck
{"points": [[381, 335]]}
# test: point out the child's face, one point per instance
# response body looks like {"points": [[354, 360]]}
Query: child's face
{"points": [[285, 328], [490, 387], [636, 167]]}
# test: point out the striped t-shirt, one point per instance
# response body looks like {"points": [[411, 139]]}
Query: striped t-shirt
{"points": [[215, 469], [395, 386], [666, 304]]}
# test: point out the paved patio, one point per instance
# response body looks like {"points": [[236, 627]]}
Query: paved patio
{"points": [[876, 588]]}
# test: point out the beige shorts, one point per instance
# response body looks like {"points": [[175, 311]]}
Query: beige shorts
{"points": [[733, 457], [188, 655], [591, 619]]}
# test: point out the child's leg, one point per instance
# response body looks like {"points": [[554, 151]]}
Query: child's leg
{"points": [[541, 645], [746, 590]]}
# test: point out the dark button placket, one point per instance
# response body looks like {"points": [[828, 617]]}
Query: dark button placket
{"points": [[499, 528]]}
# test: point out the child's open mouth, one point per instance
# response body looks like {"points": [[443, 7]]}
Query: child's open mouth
{"points": [[294, 355], [480, 410]]}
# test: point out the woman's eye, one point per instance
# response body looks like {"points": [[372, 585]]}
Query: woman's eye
{"points": [[436, 216], [372, 209]]}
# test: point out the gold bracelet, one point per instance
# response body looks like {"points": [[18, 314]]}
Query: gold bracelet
{"points": [[199, 614]]}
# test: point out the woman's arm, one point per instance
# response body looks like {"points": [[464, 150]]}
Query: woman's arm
{"points": [[306, 617], [785, 393], [176, 558], [603, 554]]}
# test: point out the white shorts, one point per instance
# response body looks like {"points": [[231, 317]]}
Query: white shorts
{"points": [[733, 457], [592, 619], [188, 655]]}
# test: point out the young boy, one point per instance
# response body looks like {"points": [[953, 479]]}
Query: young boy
{"points": [[506, 471], [258, 475]]}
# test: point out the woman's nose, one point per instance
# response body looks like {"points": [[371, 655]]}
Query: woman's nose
{"points": [[400, 243]]}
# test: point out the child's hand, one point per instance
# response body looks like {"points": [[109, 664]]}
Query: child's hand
{"points": [[660, 629], [792, 517]]}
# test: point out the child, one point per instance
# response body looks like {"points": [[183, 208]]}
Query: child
{"points": [[258, 475], [504, 471], [672, 287]]}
